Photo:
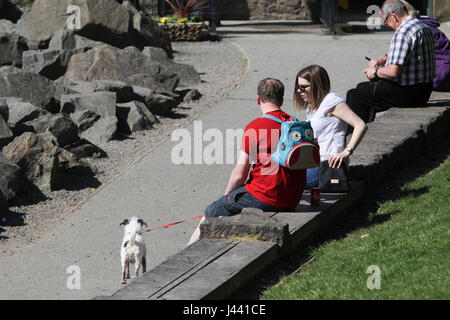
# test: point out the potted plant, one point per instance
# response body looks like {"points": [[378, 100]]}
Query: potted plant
{"points": [[185, 24]]}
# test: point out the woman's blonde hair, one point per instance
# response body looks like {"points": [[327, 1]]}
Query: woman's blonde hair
{"points": [[318, 77]]}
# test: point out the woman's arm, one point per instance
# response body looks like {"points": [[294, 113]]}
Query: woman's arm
{"points": [[344, 113]]}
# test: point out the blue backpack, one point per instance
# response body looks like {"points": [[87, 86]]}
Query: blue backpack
{"points": [[296, 149]]}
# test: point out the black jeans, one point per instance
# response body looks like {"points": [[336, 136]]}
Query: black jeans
{"points": [[371, 97]]}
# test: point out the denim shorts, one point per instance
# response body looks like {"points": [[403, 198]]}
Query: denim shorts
{"points": [[237, 200], [312, 178]]}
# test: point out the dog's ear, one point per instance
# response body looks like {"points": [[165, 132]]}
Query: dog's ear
{"points": [[141, 222], [124, 222]]}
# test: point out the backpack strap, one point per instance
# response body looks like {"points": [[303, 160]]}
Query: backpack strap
{"points": [[268, 116]]}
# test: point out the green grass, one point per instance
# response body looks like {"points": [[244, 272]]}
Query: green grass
{"points": [[411, 248]]}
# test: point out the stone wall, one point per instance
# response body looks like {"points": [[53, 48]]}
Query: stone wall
{"points": [[442, 10], [267, 9]]}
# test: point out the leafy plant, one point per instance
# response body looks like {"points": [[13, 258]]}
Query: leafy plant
{"points": [[185, 9]]}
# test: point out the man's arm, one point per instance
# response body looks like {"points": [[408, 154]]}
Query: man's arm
{"points": [[239, 174], [390, 71]]}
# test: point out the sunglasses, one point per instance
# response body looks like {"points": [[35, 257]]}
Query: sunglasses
{"points": [[386, 19], [302, 88]]}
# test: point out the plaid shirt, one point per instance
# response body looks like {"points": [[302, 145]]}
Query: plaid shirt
{"points": [[412, 47]]}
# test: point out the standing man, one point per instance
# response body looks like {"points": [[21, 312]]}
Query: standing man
{"points": [[403, 77], [269, 186]]}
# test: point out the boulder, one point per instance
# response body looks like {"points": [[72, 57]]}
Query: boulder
{"points": [[134, 116], [157, 103], [103, 103], [108, 63], [7, 26], [59, 125], [191, 95], [102, 20], [22, 5], [162, 83], [160, 104], [4, 110], [10, 177], [148, 33], [20, 111], [124, 92], [71, 164], [85, 149], [37, 155], [51, 64], [32, 88], [84, 119], [5, 133], [101, 131], [4, 208], [12, 47], [187, 73], [67, 40]]}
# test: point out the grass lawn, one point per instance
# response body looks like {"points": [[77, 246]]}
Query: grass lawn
{"points": [[411, 250]]}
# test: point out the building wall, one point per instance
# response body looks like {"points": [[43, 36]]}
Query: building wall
{"points": [[442, 10], [268, 9]]}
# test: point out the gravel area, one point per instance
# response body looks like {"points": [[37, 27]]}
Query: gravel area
{"points": [[221, 65]]}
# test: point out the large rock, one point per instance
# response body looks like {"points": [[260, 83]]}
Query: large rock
{"points": [[10, 177], [134, 116], [108, 63], [12, 47], [4, 110], [7, 26], [103, 103], [5, 133], [4, 208], [70, 163], [38, 157], [148, 33], [84, 119], [59, 125], [20, 111], [101, 131], [102, 20], [51, 64], [85, 149], [124, 92], [187, 73], [157, 103], [31, 87], [22, 5], [67, 40]]}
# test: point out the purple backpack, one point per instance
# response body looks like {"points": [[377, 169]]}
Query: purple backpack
{"points": [[442, 52]]}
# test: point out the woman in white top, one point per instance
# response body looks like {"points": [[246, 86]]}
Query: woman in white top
{"points": [[329, 116]]}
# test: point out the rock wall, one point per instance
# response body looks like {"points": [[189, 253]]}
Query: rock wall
{"points": [[442, 10], [267, 9]]}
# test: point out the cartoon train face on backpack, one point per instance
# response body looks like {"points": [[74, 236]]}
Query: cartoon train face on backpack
{"points": [[296, 148]]}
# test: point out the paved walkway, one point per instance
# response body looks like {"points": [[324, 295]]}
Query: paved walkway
{"points": [[160, 192]]}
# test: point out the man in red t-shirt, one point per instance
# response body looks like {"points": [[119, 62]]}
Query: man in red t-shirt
{"points": [[269, 186]]}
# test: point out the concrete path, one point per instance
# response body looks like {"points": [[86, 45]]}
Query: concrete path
{"points": [[160, 192]]}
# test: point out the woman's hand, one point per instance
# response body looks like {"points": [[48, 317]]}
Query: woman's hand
{"points": [[337, 159]]}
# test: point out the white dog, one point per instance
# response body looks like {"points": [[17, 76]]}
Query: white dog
{"points": [[133, 247]]}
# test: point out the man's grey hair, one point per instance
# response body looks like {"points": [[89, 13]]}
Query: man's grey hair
{"points": [[394, 6]]}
